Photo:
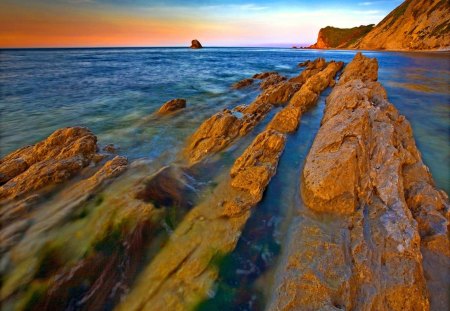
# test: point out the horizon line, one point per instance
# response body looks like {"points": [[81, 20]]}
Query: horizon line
{"points": [[286, 46]]}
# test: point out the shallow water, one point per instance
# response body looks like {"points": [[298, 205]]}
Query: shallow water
{"points": [[115, 92]]}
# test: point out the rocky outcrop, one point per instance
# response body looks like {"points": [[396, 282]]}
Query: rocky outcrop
{"points": [[253, 169], [317, 78], [172, 106], [332, 37], [183, 274], [414, 25], [357, 244], [195, 44], [221, 129], [49, 162]]}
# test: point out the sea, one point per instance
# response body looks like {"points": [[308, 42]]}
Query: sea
{"points": [[115, 92]]}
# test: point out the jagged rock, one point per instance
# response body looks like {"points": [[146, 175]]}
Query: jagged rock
{"points": [[280, 93], [271, 80], [52, 161], [195, 44], [172, 105], [315, 81], [220, 130], [254, 168], [243, 83], [361, 247], [264, 75], [303, 64]]}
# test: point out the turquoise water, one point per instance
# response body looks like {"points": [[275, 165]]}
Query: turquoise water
{"points": [[115, 93]]}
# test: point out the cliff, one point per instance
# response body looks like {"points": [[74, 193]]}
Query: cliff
{"points": [[414, 25], [332, 37]]}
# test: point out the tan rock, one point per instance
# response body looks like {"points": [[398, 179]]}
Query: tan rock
{"points": [[172, 106], [264, 75], [314, 81], [413, 25], [49, 162], [357, 244], [254, 168]]}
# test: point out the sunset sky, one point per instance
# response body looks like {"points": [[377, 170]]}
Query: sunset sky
{"points": [[103, 23]]}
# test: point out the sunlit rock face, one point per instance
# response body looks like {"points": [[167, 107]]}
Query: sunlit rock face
{"points": [[52, 161], [414, 25], [172, 106], [332, 37], [372, 213]]}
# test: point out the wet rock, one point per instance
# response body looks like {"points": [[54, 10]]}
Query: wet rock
{"points": [[223, 128], [264, 75], [213, 135], [254, 168], [195, 44], [172, 105], [314, 82], [243, 83], [357, 244], [280, 93], [49, 162], [271, 80]]}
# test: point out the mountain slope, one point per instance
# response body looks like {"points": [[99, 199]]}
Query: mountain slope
{"points": [[414, 25], [332, 37]]}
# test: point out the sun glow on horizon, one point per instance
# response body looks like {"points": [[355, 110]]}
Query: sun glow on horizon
{"points": [[84, 23]]}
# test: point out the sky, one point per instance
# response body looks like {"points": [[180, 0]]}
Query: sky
{"points": [[105, 23]]}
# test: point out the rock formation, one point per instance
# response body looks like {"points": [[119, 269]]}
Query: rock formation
{"points": [[172, 106], [223, 128], [332, 37], [414, 25], [195, 44], [373, 232], [182, 274], [52, 161]]}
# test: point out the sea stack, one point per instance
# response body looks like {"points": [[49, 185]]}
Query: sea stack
{"points": [[195, 44]]}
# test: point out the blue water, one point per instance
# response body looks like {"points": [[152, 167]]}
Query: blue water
{"points": [[115, 91]]}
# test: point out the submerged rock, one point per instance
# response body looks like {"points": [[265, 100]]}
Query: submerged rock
{"points": [[195, 44], [172, 106], [243, 83], [357, 244], [170, 186]]}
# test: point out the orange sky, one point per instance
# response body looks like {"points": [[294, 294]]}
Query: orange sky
{"points": [[86, 23], [45, 27]]}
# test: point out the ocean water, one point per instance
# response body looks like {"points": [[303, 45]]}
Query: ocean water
{"points": [[115, 93]]}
